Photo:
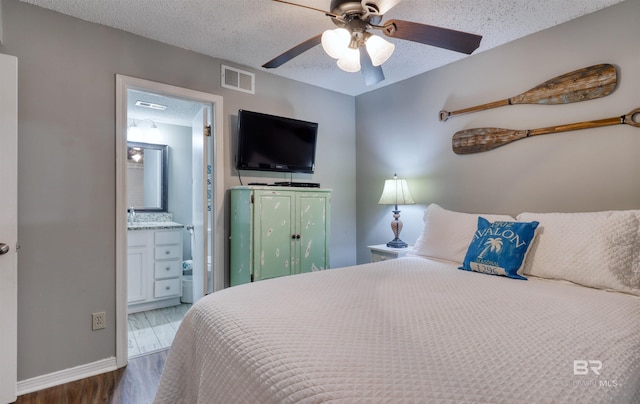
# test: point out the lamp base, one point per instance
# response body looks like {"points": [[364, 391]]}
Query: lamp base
{"points": [[396, 226], [397, 243]]}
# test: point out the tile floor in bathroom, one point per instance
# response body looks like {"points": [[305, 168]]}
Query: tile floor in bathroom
{"points": [[154, 330]]}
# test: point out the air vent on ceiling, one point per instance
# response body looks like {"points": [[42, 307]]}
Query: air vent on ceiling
{"points": [[239, 80], [151, 105]]}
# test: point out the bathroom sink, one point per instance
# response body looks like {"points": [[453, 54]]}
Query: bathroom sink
{"points": [[153, 225]]}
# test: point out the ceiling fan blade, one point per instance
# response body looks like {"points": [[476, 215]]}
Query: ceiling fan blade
{"points": [[371, 74], [435, 36], [384, 5], [293, 52], [310, 8]]}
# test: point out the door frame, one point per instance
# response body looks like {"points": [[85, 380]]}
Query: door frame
{"points": [[9, 228], [123, 83]]}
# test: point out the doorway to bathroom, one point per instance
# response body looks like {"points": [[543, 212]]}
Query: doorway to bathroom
{"points": [[169, 197]]}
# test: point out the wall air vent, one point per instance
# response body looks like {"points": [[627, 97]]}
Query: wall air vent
{"points": [[239, 80]]}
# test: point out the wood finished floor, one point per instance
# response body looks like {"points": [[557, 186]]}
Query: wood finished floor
{"points": [[136, 383], [153, 330], [149, 338]]}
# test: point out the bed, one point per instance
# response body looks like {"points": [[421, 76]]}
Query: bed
{"points": [[419, 329]]}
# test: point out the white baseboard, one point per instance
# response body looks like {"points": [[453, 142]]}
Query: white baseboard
{"points": [[66, 376]]}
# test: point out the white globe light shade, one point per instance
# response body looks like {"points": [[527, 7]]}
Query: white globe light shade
{"points": [[350, 61], [379, 49], [335, 42]]}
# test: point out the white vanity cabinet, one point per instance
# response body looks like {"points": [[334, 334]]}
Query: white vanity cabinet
{"points": [[154, 268]]}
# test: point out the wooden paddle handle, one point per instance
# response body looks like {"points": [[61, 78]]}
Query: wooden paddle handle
{"points": [[483, 139], [444, 115], [628, 119]]}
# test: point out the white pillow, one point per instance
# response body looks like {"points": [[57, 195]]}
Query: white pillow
{"points": [[596, 249], [447, 234]]}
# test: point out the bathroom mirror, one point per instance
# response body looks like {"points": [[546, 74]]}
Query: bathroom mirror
{"points": [[147, 176]]}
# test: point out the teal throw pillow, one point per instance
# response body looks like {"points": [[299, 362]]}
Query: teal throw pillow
{"points": [[500, 248]]}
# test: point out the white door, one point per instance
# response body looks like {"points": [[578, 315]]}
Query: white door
{"points": [[200, 213], [8, 227]]}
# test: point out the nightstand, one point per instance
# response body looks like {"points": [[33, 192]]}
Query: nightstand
{"points": [[381, 252]]}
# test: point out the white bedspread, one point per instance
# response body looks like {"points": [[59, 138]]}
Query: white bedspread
{"points": [[406, 330]]}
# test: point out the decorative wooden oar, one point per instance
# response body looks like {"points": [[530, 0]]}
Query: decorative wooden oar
{"points": [[483, 139], [579, 85]]}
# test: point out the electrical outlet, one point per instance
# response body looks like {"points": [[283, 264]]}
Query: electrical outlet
{"points": [[98, 322]]}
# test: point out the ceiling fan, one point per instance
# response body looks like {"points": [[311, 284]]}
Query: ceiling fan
{"points": [[355, 48]]}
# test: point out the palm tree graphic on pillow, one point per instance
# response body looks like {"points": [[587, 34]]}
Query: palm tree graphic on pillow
{"points": [[492, 244]]}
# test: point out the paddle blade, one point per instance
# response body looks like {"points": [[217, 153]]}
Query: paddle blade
{"points": [[435, 36], [579, 85], [483, 139], [293, 52], [328, 14], [385, 5], [372, 74]]}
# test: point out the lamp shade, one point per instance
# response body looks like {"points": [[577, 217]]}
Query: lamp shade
{"points": [[396, 192], [335, 42], [350, 61], [379, 49]]}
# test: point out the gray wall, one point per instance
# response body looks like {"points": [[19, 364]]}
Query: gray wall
{"points": [[596, 169], [66, 168]]}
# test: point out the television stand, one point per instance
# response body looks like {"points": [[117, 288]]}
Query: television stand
{"points": [[296, 184]]}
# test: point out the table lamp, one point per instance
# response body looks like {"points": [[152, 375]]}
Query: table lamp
{"points": [[396, 192]]}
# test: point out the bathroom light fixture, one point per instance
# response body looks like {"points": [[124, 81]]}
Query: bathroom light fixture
{"points": [[154, 131], [134, 129], [396, 192]]}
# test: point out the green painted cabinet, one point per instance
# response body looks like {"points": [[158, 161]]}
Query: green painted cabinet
{"points": [[277, 231]]}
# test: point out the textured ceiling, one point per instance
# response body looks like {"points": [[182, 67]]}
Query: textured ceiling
{"points": [[251, 32]]}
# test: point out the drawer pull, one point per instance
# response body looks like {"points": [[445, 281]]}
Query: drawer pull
{"points": [[167, 252], [168, 268], [168, 288]]}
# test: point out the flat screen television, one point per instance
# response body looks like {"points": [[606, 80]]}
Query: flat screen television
{"points": [[275, 143]]}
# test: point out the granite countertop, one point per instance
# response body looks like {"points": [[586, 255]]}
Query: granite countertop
{"points": [[154, 225]]}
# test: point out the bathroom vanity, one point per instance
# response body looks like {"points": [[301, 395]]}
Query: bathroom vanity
{"points": [[154, 265]]}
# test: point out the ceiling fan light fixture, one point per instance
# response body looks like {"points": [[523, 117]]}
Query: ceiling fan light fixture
{"points": [[379, 49], [335, 42], [350, 61]]}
